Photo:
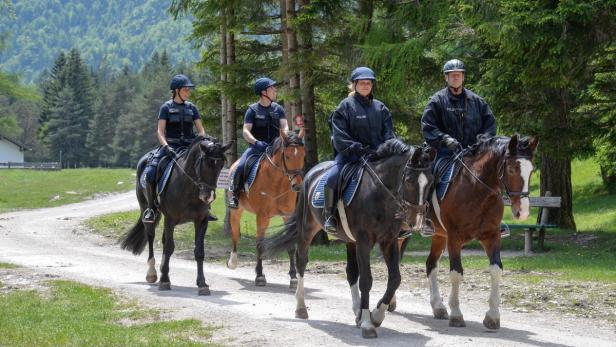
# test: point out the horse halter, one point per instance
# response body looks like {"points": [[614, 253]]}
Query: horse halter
{"points": [[521, 194], [291, 174], [197, 169]]}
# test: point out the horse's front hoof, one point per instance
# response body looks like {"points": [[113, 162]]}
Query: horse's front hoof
{"points": [[368, 333], [260, 281], [440, 313], [491, 323], [457, 322], [151, 278], [392, 306], [301, 313], [164, 286], [293, 283], [204, 291]]}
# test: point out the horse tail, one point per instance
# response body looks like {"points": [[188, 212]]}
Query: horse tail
{"points": [[292, 230], [135, 239]]}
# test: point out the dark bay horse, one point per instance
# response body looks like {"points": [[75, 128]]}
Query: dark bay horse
{"points": [[190, 190], [273, 193], [473, 209], [392, 191]]}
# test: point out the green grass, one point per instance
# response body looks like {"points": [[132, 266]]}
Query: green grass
{"points": [[21, 189], [8, 266], [78, 315]]}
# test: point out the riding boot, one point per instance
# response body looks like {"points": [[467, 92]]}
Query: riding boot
{"points": [[405, 231], [329, 212], [149, 215], [234, 199]]}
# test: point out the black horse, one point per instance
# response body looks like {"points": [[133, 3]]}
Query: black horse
{"points": [[392, 191], [190, 190]]}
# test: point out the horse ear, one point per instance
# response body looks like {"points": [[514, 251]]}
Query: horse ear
{"points": [[416, 155], [513, 145], [533, 143], [302, 132]]}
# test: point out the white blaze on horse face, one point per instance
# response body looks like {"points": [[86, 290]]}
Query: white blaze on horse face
{"points": [[295, 152], [526, 168]]}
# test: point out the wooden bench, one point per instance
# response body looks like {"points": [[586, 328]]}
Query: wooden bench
{"points": [[543, 202]]}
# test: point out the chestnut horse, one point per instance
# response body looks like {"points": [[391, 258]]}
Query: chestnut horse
{"points": [[473, 209], [273, 193]]}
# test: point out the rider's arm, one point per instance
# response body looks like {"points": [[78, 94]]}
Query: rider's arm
{"points": [[429, 124], [247, 134], [161, 132], [388, 126], [284, 125], [199, 126], [341, 138], [488, 121]]}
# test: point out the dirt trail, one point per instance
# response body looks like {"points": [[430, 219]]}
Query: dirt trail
{"points": [[52, 243]]}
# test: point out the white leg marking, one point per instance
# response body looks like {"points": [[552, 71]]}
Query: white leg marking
{"points": [[366, 322], [356, 298], [437, 210], [378, 314], [454, 297], [436, 301], [299, 293], [162, 262], [494, 300], [526, 168], [232, 263]]}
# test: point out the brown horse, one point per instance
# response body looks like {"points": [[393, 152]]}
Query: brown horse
{"points": [[473, 209], [273, 193]]}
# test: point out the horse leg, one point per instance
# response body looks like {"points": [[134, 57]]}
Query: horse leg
{"points": [[234, 220], [150, 228], [262, 224], [292, 267], [200, 229], [455, 275], [436, 301], [168, 248], [492, 317], [352, 272], [368, 330], [392, 259]]}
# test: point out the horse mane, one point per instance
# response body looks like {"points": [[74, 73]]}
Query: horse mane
{"points": [[499, 144], [391, 147], [292, 139]]}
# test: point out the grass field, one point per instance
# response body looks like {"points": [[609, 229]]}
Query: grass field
{"points": [[21, 188], [73, 314]]}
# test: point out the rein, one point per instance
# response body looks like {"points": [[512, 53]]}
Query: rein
{"points": [[197, 166], [291, 174]]}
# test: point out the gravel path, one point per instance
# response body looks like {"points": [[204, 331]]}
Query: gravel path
{"points": [[51, 242]]}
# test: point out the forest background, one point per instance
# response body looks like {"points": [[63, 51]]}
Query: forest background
{"points": [[81, 81]]}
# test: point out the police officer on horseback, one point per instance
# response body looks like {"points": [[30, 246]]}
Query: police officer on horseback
{"points": [[359, 125], [455, 117], [262, 124], [176, 119]]}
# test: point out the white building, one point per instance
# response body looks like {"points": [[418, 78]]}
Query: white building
{"points": [[11, 150]]}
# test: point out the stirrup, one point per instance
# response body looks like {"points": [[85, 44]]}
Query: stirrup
{"points": [[405, 233], [149, 216], [505, 231], [331, 225], [234, 202]]}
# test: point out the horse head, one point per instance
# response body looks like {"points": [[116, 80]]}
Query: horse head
{"points": [[516, 171], [418, 180], [293, 154], [209, 159]]}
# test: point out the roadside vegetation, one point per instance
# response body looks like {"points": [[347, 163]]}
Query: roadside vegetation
{"points": [[66, 313]]}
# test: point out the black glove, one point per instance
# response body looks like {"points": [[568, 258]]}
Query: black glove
{"points": [[451, 143], [357, 149], [171, 152]]}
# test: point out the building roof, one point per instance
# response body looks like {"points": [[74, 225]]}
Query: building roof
{"points": [[21, 146]]}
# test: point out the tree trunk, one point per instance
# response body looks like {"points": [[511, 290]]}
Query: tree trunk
{"points": [[556, 178], [294, 91], [285, 54], [231, 118], [223, 79]]}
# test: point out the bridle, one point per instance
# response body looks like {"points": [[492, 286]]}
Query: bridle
{"points": [[291, 174], [398, 197], [199, 183]]}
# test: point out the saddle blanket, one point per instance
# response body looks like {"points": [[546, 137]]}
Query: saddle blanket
{"points": [[252, 165], [443, 170], [162, 181], [348, 191]]}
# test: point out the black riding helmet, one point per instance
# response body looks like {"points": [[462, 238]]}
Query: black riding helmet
{"points": [[453, 65], [180, 81]]}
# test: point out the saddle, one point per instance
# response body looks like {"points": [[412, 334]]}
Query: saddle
{"points": [[346, 187], [163, 171], [250, 170], [444, 171]]}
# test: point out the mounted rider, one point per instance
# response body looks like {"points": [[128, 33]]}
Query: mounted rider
{"points": [[359, 125], [455, 117], [176, 119], [263, 122]]}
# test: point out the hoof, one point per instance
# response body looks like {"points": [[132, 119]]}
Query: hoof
{"points": [[301, 313], [440, 313], [293, 283], [457, 322], [491, 323], [260, 281], [164, 286], [392, 306], [151, 278], [204, 291], [232, 262], [368, 333]]}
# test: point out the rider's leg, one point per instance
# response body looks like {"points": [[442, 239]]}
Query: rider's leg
{"points": [[329, 209], [238, 177], [149, 215]]}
